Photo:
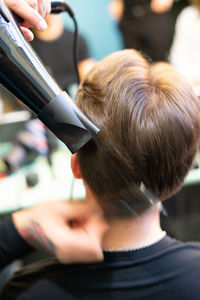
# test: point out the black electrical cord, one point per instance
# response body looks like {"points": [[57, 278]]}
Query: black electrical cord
{"points": [[58, 7], [75, 50]]}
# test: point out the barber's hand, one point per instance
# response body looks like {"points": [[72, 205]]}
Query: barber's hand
{"points": [[161, 6], [32, 12], [72, 231]]}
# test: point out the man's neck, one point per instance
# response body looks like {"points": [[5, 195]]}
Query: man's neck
{"points": [[136, 232]]}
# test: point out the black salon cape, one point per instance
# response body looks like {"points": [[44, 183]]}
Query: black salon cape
{"points": [[166, 270], [12, 246]]}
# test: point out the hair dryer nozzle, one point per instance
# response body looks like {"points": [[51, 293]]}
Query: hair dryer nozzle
{"points": [[68, 123]]}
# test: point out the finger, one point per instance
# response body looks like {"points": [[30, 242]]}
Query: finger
{"points": [[44, 7], [25, 11], [79, 248], [28, 33], [48, 7], [33, 4], [81, 243], [48, 10], [96, 228]]}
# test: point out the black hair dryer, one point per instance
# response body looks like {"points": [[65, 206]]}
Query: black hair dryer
{"points": [[23, 74]]}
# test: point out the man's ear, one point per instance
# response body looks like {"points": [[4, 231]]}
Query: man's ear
{"points": [[75, 166]]}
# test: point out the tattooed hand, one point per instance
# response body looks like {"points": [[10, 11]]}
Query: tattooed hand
{"points": [[72, 231], [32, 12], [36, 237]]}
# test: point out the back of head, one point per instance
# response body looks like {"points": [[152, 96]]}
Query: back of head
{"points": [[150, 129]]}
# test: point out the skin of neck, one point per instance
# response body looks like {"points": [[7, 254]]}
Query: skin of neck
{"points": [[135, 232]]}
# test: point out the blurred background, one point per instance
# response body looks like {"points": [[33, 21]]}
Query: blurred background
{"points": [[97, 26]]}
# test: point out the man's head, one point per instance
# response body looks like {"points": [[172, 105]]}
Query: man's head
{"points": [[150, 128]]}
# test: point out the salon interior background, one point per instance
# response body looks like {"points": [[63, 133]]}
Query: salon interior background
{"points": [[96, 25]]}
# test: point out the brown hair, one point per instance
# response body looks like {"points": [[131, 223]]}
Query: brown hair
{"points": [[150, 128]]}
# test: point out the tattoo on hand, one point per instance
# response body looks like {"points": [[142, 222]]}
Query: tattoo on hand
{"points": [[36, 237]]}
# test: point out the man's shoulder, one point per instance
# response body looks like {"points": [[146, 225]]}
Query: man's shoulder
{"points": [[167, 265], [189, 250]]}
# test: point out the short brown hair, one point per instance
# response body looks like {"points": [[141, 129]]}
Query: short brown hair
{"points": [[150, 127]]}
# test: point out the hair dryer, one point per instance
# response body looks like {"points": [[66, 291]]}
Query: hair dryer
{"points": [[24, 75]]}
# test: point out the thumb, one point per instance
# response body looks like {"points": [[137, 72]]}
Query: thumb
{"points": [[27, 33], [96, 227]]}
